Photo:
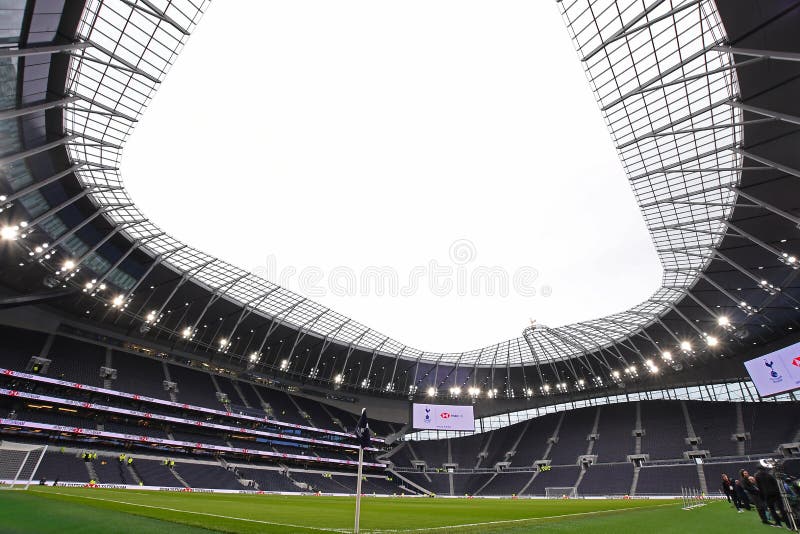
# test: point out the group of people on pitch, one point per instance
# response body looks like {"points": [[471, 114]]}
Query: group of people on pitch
{"points": [[760, 491]]}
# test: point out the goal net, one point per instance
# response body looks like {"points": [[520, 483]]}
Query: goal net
{"points": [[567, 492], [18, 464]]}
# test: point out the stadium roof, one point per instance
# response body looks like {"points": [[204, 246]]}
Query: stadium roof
{"points": [[698, 102]]}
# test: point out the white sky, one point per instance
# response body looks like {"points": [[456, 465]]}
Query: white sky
{"points": [[343, 135]]}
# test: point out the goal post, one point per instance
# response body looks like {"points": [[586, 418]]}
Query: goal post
{"points": [[558, 492], [19, 463]]}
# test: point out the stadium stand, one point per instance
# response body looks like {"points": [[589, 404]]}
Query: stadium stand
{"points": [[207, 476], [558, 476], [19, 346], [665, 429], [139, 375], [607, 479], [534, 442], [615, 433], [667, 480], [505, 484], [194, 387], [62, 466], [155, 473], [76, 361], [572, 436]]}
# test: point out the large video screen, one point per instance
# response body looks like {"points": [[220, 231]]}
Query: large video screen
{"points": [[442, 417], [776, 372]]}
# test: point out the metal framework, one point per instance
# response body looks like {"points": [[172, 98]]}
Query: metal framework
{"points": [[666, 79]]}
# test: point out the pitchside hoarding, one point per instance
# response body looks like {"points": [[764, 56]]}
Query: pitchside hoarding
{"points": [[777, 371], [442, 417]]}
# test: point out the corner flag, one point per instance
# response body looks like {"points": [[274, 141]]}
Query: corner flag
{"points": [[362, 430]]}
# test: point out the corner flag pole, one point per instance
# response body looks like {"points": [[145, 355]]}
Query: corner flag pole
{"points": [[363, 436], [358, 487]]}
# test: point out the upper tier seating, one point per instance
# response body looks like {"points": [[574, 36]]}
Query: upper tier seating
{"points": [[139, 375], [195, 387], [770, 425], [572, 436], [533, 444], [615, 433], [714, 423], [18, 346], [665, 429], [76, 361], [226, 386]]}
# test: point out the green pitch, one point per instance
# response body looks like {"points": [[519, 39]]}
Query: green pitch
{"points": [[85, 511]]}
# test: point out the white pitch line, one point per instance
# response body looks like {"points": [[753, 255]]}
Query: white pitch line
{"points": [[273, 523], [505, 521]]}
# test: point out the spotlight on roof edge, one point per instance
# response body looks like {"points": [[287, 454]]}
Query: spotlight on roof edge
{"points": [[686, 346], [9, 233], [431, 391], [118, 300], [68, 265], [712, 341], [254, 357], [186, 332], [789, 260]]}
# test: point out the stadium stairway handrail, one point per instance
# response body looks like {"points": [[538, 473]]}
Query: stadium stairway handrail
{"points": [[170, 419], [162, 402], [133, 438]]}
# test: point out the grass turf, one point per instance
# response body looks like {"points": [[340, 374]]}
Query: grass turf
{"points": [[104, 510]]}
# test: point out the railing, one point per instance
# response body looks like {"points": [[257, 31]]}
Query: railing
{"points": [[171, 404], [133, 438], [170, 419]]}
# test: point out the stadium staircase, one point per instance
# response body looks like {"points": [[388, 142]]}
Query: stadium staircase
{"points": [[580, 478], [394, 436], [90, 469], [528, 483], [304, 414], [178, 477], [173, 395], [409, 483], [510, 453], [239, 392], [107, 382], [134, 474], [479, 490], [635, 480], [336, 420], [740, 444], [484, 453]]}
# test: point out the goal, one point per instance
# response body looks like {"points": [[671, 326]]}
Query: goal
{"points": [[557, 492], [18, 464]]}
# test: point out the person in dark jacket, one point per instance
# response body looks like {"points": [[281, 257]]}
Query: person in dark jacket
{"points": [[768, 487], [729, 490], [727, 487], [744, 500], [750, 487]]}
